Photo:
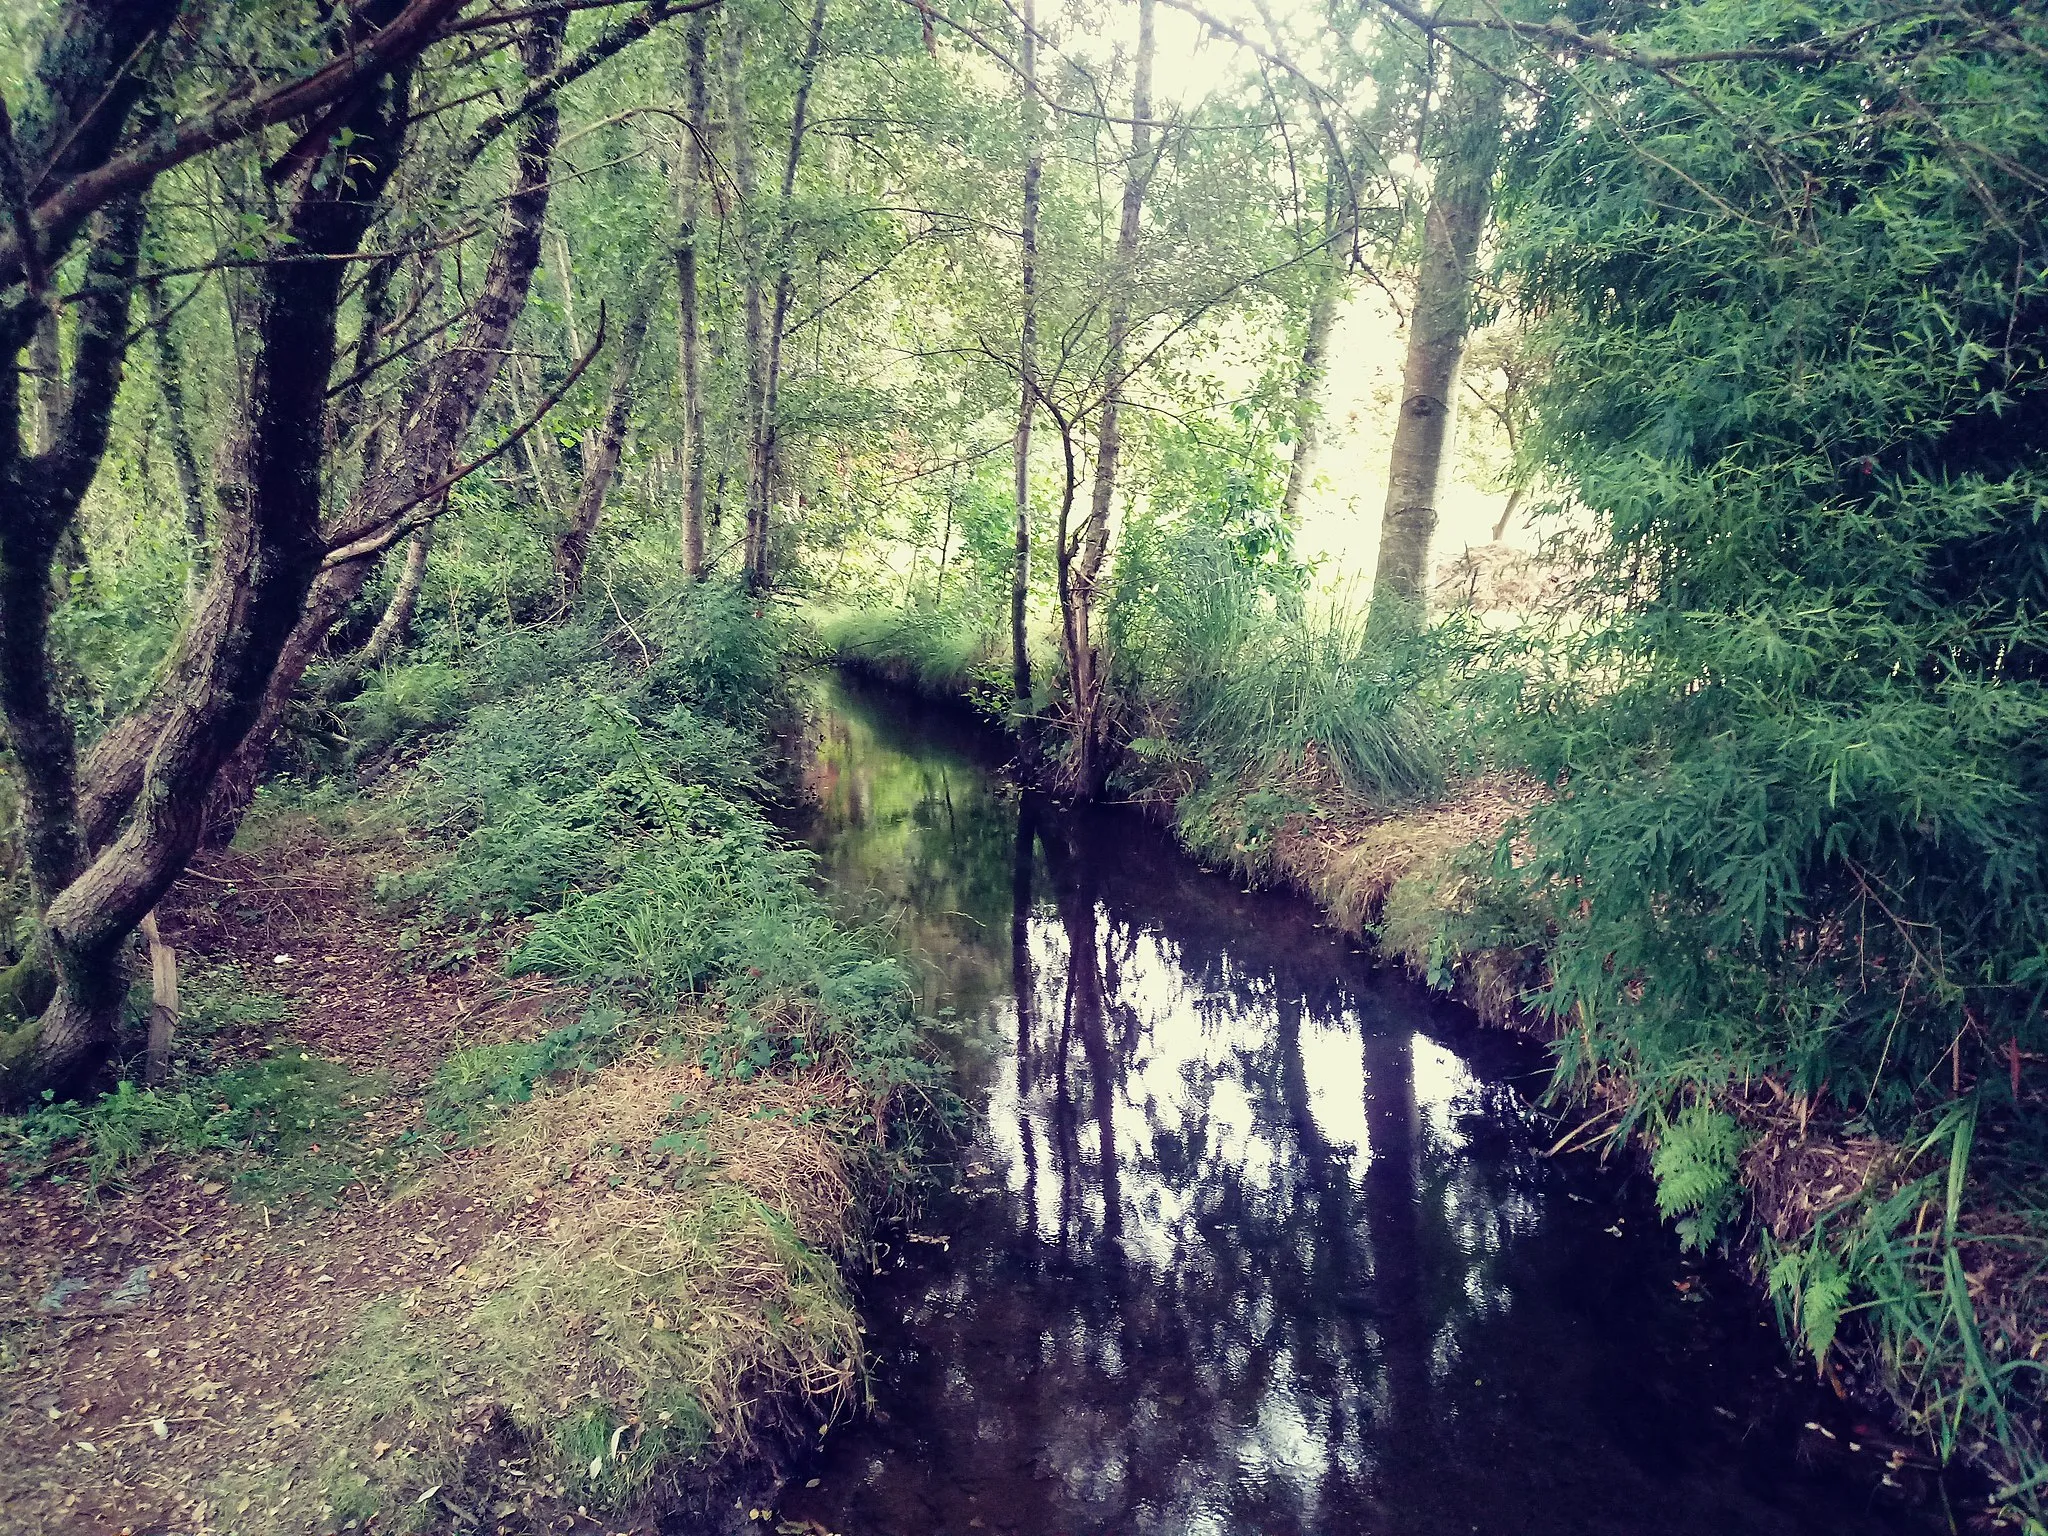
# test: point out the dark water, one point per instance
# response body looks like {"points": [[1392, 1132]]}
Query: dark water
{"points": [[1255, 1239]]}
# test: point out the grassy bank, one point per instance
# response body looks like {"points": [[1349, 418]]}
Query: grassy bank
{"points": [[1904, 1256], [534, 1161], [934, 653]]}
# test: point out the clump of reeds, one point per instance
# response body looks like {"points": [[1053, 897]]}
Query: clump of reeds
{"points": [[1264, 685]]}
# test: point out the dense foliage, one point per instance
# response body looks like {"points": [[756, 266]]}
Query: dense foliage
{"points": [[1794, 333], [475, 411]]}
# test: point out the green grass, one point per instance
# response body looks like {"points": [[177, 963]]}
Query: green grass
{"points": [[1257, 684], [934, 652], [290, 1124]]}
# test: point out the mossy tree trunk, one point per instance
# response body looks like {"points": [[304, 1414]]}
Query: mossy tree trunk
{"points": [[268, 550], [440, 410]]}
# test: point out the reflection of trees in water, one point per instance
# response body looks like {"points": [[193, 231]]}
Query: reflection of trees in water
{"points": [[1255, 1239], [1278, 1298], [923, 838]]}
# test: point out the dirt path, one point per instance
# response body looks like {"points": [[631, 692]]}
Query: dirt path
{"points": [[161, 1340]]}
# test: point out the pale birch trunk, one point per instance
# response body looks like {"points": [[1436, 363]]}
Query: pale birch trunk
{"points": [[1458, 205], [1027, 345]]}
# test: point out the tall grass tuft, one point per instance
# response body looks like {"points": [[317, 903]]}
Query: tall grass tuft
{"points": [[1259, 684]]}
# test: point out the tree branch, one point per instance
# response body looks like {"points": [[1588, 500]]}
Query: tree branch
{"points": [[400, 525]]}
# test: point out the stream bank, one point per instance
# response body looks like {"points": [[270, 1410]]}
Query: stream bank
{"points": [[527, 1109]]}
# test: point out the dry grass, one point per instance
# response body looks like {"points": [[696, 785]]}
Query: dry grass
{"points": [[661, 1285], [1353, 873]]}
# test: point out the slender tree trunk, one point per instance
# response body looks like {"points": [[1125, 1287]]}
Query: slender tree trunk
{"points": [[1507, 513], [395, 627], [1080, 594], [601, 462], [945, 538], [542, 454], [1306, 410], [170, 383], [564, 267], [765, 456], [689, 341], [746, 180], [1458, 205], [1027, 366]]}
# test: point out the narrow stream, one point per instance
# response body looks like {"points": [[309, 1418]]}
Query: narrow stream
{"points": [[1254, 1238]]}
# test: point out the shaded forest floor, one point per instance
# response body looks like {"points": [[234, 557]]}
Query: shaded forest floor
{"points": [[178, 1335]]}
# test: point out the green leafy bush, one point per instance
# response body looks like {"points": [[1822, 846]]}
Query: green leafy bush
{"points": [[716, 906], [400, 702], [1797, 723]]}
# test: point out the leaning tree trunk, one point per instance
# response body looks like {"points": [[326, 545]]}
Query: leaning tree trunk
{"points": [[1027, 363], [600, 468], [1437, 326], [426, 452], [268, 548], [1081, 586], [689, 326]]}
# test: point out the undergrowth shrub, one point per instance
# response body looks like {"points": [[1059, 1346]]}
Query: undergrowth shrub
{"points": [[613, 804], [715, 908], [720, 652], [540, 795], [290, 1121], [474, 1084], [402, 701]]}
